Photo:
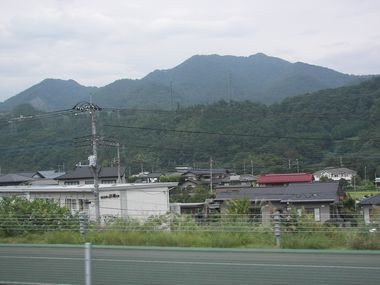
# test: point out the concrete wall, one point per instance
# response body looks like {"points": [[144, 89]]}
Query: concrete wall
{"points": [[123, 200], [144, 203]]}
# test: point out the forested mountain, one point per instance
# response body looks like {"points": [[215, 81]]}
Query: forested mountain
{"points": [[202, 79], [318, 129], [50, 94], [259, 78]]}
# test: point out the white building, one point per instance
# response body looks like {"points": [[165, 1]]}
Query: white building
{"points": [[116, 200], [377, 181], [335, 174]]}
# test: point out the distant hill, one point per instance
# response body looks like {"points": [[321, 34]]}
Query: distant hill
{"points": [[201, 79], [50, 95], [309, 131], [260, 78]]}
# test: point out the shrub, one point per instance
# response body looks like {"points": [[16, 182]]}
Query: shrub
{"points": [[19, 215]]}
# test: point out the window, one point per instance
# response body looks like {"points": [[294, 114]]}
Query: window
{"points": [[73, 182], [46, 199], [71, 204], [109, 181], [314, 212], [83, 204], [317, 214], [309, 211], [89, 182]]}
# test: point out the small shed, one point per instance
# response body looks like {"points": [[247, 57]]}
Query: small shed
{"points": [[371, 209]]}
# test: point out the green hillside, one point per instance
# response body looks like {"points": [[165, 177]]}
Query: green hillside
{"points": [[317, 130]]}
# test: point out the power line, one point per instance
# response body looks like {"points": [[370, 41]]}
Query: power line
{"points": [[263, 113], [216, 133]]}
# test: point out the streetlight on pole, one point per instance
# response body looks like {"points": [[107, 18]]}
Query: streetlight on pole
{"points": [[91, 108]]}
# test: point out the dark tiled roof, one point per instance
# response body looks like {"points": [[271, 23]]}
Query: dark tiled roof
{"points": [[154, 175], [84, 172], [293, 193], [28, 174], [374, 200], [14, 178], [50, 174], [108, 172]]}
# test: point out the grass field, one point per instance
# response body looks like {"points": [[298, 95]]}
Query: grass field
{"points": [[334, 239], [357, 195]]}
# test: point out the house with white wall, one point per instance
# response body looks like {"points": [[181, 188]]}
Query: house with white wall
{"points": [[335, 174], [138, 201]]}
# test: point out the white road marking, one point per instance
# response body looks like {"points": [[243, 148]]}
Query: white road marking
{"points": [[29, 283], [198, 262]]}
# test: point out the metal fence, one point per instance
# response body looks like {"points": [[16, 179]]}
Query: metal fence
{"points": [[64, 264], [276, 223]]}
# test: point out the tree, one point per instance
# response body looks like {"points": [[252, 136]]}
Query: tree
{"points": [[200, 193], [238, 206], [325, 179], [197, 194], [238, 210]]}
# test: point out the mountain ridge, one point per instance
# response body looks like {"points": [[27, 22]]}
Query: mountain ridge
{"points": [[201, 79]]}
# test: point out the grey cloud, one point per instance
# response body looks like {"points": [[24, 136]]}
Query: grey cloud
{"points": [[96, 41], [364, 60]]}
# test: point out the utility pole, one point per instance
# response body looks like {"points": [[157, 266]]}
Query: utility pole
{"points": [[118, 163], [252, 167], [171, 95], [93, 164], [298, 166], [210, 174]]}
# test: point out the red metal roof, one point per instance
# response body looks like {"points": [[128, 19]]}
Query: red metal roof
{"points": [[283, 178]]}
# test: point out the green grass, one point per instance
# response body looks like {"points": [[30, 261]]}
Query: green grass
{"points": [[183, 239], [316, 240], [360, 194]]}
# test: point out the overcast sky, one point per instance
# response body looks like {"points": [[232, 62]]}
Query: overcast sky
{"points": [[96, 42]]}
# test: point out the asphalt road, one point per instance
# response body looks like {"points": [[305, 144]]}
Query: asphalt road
{"points": [[30, 264]]}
